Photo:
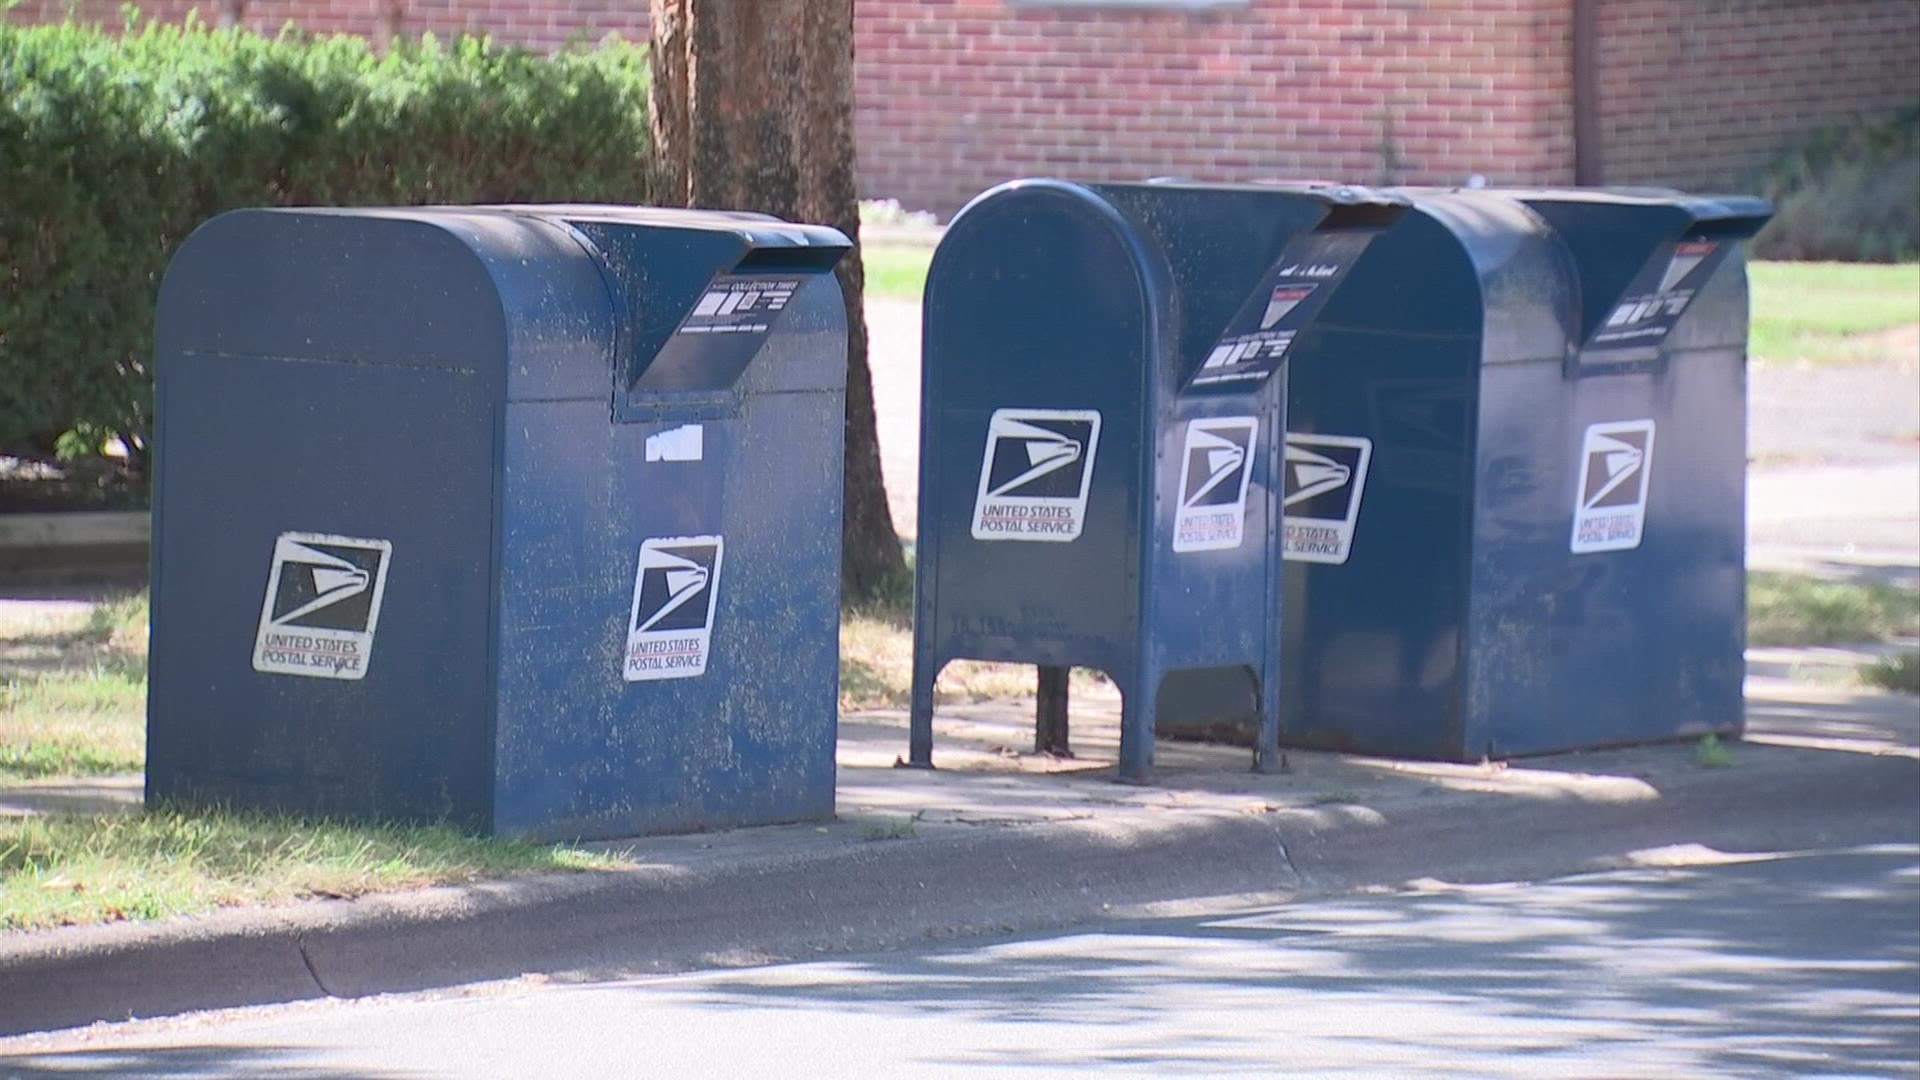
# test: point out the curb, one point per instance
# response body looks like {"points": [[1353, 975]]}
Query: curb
{"points": [[72, 547], [844, 895]]}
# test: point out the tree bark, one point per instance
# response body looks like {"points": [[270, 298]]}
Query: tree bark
{"points": [[752, 109], [1050, 712]]}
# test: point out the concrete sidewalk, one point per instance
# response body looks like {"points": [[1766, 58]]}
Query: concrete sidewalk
{"points": [[998, 840]]}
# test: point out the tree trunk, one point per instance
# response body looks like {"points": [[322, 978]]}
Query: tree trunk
{"points": [[753, 110]]}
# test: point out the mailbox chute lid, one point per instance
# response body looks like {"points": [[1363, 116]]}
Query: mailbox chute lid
{"points": [[1640, 246]]}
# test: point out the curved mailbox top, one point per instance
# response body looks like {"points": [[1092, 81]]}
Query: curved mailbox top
{"points": [[1232, 272], [546, 297], [1463, 265]]}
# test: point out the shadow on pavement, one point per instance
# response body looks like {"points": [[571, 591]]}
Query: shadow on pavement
{"points": [[179, 1063], [1788, 964]]}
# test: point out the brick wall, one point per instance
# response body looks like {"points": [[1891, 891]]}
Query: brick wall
{"points": [[955, 94], [1702, 93]]}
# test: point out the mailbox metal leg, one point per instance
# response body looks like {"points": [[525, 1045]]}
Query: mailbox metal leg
{"points": [[1266, 745], [1050, 712], [920, 716], [1138, 702]]}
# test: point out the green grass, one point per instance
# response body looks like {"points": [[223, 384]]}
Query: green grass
{"points": [[896, 271], [1801, 311], [1817, 311], [75, 722], [1711, 753], [1899, 672], [73, 698], [1793, 609], [59, 870]]}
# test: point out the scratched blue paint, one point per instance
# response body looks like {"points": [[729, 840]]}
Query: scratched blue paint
{"points": [[477, 387], [1157, 308]]}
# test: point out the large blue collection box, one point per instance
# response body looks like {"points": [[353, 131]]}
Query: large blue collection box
{"points": [[527, 519]]}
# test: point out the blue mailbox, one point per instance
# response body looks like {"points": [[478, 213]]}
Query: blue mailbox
{"points": [[523, 518], [1538, 541], [1102, 393]]}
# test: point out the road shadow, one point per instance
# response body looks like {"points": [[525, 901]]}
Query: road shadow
{"points": [[1787, 965], [183, 1062]]}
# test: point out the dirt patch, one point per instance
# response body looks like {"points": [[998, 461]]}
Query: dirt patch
{"points": [[1899, 345]]}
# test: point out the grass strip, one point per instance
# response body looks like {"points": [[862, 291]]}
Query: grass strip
{"points": [[1819, 311], [896, 271], [1899, 672], [60, 870], [1801, 310], [1796, 609]]}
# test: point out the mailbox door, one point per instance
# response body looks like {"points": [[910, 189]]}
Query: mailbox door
{"points": [[1040, 329]]}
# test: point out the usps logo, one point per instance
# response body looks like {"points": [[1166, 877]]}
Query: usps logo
{"points": [[1216, 467], [1324, 478], [1616, 461], [670, 626], [322, 606], [1035, 475]]}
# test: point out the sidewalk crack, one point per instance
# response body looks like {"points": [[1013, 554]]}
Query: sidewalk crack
{"points": [[300, 943]]}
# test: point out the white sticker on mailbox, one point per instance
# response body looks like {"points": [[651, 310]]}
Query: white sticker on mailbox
{"points": [[1325, 478], [670, 625], [1216, 467], [1035, 475], [1610, 508], [322, 606], [684, 443]]}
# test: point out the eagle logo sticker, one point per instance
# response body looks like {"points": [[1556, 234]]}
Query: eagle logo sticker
{"points": [[670, 625], [1616, 462], [1323, 481], [1216, 466], [1035, 475], [322, 606]]}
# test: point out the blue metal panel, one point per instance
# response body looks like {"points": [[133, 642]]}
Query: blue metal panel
{"points": [[529, 589], [1500, 595], [261, 434], [1374, 610], [1640, 637], [752, 739]]}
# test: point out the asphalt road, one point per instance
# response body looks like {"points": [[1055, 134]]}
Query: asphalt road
{"points": [[1802, 964]]}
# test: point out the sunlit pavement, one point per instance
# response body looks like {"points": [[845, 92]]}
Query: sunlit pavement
{"points": [[1788, 964]]}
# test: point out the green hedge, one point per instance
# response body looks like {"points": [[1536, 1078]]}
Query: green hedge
{"points": [[1850, 193], [113, 147]]}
